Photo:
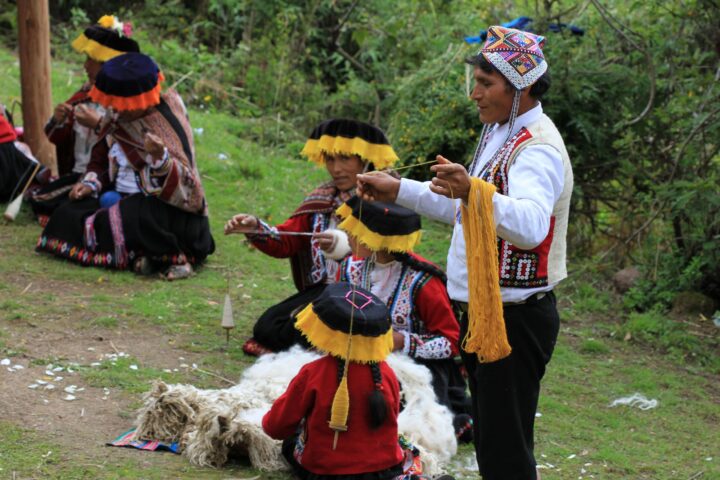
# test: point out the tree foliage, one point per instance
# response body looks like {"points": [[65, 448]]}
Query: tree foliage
{"points": [[636, 98]]}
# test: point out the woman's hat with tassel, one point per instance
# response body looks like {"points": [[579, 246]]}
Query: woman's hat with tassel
{"points": [[350, 323]]}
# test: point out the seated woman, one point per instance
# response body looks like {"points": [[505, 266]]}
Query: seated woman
{"points": [[155, 214], [345, 148], [74, 126], [16, 166], [423, 322]]}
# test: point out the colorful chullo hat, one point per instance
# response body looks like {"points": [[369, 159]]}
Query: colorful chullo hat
{"points": [[352, 324], [380, 225], [349, 137], [106, 40], [516, 54], [128, 82]]}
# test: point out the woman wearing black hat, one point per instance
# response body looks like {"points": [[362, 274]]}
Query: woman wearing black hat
{"points": [[154, 214], [344, 148], [73, 126]]}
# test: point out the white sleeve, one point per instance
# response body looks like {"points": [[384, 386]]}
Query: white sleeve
{"points": [[535, 182], [418, 197]]}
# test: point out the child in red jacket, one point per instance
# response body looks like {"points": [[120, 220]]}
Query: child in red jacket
{"points": [[338, 417]]}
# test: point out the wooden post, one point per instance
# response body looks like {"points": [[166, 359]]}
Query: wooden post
{"points": [[34, 45]]}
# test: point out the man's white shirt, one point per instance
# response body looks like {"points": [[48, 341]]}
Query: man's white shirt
{"points": [[535, 182]]}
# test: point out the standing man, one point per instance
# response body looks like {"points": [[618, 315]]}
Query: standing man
{"points": [[517, 189]]}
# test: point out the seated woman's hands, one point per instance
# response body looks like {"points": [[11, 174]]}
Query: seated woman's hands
{"points": [[61, 112], [80, 191], [87, 117], [154, 146], [241, 223]]}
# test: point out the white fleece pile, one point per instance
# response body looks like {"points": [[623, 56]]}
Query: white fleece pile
{"points": [[213, 425]]}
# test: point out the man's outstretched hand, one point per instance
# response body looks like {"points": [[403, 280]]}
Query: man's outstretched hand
{"points": [[378, 187], [451, 179]]}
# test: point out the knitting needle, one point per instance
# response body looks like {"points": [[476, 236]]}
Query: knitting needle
{"points": [[279, 232]]}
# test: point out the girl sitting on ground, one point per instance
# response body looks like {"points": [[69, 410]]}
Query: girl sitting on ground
{"points": [[345, 148], [351, 386], [424, 325]]}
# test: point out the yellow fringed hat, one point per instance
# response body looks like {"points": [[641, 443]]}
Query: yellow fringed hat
{"points": [[106, 40], [349, 137], [380, 225], [344, 311]]}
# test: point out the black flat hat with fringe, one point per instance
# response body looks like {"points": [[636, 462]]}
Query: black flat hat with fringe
{"points": [[380, 225], [326, 323], [349, 137]]}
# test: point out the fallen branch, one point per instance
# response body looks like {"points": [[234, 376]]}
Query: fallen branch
{"points": [[214, 375]]}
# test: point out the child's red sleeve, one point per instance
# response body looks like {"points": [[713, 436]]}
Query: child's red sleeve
{"points": [[283, 418]]}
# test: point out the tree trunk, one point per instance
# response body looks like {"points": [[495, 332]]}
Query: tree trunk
{"points": [[34, 47]]}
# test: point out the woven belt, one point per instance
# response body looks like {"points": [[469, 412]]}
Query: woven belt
{"points": [[463, 306]]}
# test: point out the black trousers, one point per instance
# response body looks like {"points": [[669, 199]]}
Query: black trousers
{"points": [[275, 329], [505, 393]]}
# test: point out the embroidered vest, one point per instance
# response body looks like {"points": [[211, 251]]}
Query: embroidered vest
{"points": [[544, 264], [401, 303]]}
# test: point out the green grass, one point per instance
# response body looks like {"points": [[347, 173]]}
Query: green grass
{"points": [[593, 363]]}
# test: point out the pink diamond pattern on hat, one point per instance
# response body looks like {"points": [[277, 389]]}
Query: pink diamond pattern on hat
{"points": [[517, 54]]}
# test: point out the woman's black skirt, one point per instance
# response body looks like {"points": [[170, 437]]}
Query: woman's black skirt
{"points": [[136, 226], [15, 170], [51, 196]]}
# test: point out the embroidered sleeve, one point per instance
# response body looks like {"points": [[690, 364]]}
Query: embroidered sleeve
{"points": [[282, 246], [438, 319], [428, 347]]}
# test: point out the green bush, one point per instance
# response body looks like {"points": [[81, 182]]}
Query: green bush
{"points": [[433, 116]]}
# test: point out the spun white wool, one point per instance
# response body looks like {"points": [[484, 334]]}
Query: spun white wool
{"points": [[13, 209], [223, 423], [341, 245]]}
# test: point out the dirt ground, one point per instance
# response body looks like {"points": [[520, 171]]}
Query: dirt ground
{"points": [[96, 415]]}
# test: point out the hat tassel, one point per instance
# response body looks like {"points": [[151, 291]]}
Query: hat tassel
{"points": [[340, 408]]}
